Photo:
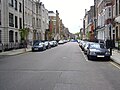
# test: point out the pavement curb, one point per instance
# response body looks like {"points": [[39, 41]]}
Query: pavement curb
{"points": [[114, 60], [12, 53]]}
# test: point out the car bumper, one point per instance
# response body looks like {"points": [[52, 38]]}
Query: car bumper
{"points": [[99, 56], [37, 48]]}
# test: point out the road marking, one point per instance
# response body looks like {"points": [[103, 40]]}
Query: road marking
{"points": [[85, 56], [116, 65]]}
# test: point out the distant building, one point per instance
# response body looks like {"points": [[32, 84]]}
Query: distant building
{"points": [[57, 37], [52, 25]]}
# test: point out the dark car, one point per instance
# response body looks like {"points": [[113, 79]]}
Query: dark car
{"points": [[37, 46], [98, 50]]}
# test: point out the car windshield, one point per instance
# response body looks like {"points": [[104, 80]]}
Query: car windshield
{"points": [[95, 46], [37, 43]]}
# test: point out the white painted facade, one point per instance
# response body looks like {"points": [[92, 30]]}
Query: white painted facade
{"points": [[11, 20], [44, 20], [104, 13], [101, 21], [10, 27], [117, 3], [29, 14]]}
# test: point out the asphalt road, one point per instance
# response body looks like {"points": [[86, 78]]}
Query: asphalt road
{"points": [[60, 68]]}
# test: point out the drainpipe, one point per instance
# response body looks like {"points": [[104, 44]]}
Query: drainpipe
{"points": [[95, 36], [23, 15]]}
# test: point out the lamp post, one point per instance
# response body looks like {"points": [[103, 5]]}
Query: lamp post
{"points": [[95, 21]]}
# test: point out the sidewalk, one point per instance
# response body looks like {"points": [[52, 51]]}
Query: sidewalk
{"points": [[116, 56], [15, 52]]}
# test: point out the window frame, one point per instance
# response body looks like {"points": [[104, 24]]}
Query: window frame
{"points": [[16, 5], [11, 3], [16, 22], [20, 7], [0, 18], [11, 19]]}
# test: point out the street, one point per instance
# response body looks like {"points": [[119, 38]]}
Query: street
{"points": [[64, 67]]}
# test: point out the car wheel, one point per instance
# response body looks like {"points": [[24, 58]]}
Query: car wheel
{"points": [[107, 58], [32, 50], [89, 57]]}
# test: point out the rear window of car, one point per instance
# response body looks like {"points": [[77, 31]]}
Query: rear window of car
{"points": [[94, 46]]}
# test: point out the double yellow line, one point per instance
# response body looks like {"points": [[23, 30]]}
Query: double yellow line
{"points": [[115, 64]]}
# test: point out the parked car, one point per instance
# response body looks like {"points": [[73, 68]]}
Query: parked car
{"points": [[61, 42], [83, 45], [86, 46], [80, 43], [97, 50], [47, 44], [53, 43], [37, 46]]}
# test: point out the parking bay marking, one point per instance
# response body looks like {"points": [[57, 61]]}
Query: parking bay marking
{"points": [[85, 56], [115, 64]]}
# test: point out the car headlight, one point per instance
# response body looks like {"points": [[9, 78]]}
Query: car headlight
{"points": [[92, 53], [107, 53]]}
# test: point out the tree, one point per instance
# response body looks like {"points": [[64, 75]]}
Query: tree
{"points": [[24, 36], [88, 35]]}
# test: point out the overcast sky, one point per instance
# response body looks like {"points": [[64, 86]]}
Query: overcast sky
{"points": [[71, 11]]}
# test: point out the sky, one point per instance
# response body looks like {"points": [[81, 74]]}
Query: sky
{"points": [[70, 11]]}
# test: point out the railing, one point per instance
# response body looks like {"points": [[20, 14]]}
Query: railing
{"points": [[117, 45], [10, 46]]}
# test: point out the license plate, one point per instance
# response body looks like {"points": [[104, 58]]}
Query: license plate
{"points": [[35, 48], [100, 56]]}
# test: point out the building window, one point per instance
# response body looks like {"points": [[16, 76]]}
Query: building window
{"points": [[0, 17], [20, 7], [16, 22], [20, 23], [116, 7], [37, 23], [11, 3], [117, 33], [11, 36], [33, 21], [110, 12], [11, 20], [16, 37], [15, 4], [0, 36], [119, 6], [37, 9]]}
